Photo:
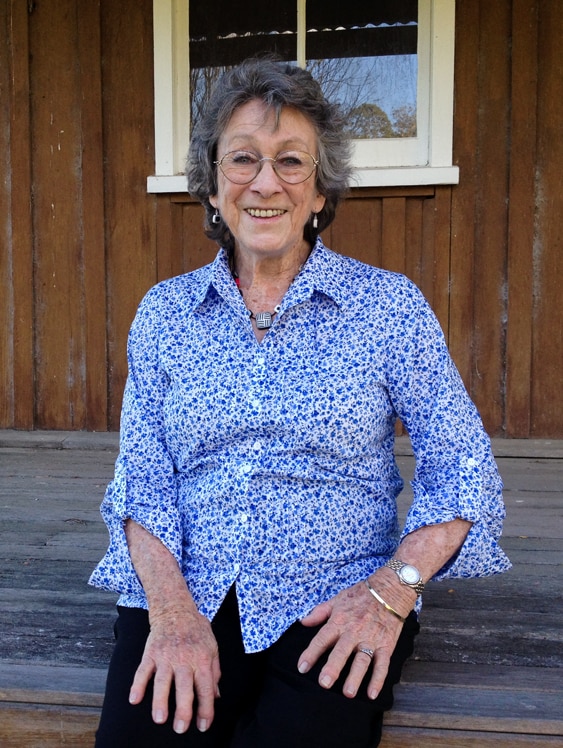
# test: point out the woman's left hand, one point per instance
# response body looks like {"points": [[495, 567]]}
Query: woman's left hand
{"points": [[354, 620]]}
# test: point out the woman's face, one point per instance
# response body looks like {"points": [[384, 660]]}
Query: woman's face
{"points": [[253, 127]]}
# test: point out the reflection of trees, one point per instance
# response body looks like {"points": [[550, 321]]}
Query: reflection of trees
{"points": [[404, 122], [368, 121], [350, 81]]}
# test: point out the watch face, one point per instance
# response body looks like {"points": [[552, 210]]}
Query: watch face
{"points": [[410, 575]]}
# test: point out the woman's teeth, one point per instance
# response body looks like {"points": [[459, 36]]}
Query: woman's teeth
{"points": [[255, 213]]}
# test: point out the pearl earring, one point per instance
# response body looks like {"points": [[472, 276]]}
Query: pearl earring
{"points": [[315, 221]]}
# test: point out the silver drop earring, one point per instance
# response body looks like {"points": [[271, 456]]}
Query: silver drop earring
{"points": [[315, 221], [216, 218]]}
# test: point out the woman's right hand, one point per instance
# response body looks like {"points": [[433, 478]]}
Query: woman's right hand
{"points": [[181, 652]]}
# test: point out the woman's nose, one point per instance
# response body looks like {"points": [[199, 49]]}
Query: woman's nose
{"points": [[267, 179]]}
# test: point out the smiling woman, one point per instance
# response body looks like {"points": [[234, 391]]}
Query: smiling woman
{"points": [[253, 516]]}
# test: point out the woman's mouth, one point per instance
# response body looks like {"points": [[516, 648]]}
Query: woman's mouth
{"points": [[263, 213]]}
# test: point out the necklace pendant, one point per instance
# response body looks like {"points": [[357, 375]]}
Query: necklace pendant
{"points": [[263, 320]]}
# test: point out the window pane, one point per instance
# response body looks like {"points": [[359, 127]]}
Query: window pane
{"points": [[364, 54], [223, 34]]}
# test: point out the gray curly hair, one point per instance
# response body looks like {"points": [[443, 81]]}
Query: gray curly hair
{"points": [[277, 84]]}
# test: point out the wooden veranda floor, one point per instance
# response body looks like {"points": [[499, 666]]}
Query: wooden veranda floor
{"points": [[488, 664]]}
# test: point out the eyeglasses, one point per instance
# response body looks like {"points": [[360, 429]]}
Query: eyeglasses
{"points": [[293, 167]]}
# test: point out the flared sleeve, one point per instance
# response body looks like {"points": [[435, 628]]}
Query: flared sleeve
{"points": [[456, 475], [144, 485]]}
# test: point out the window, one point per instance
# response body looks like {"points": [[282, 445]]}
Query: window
{"points": [[390, 64]]}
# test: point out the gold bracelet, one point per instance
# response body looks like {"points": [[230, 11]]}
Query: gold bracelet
{"points": [[385, 605]]}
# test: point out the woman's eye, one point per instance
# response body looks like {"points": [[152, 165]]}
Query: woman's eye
{"points": [[243, 158], [289, 161]]}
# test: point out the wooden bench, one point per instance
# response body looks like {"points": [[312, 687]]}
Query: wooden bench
{"points": [[438, 705]]}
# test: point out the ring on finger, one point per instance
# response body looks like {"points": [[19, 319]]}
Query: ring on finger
{"points": [[367, 651]]}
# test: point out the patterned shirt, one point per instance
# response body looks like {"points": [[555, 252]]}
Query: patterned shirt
{"points": [[270, 464]]}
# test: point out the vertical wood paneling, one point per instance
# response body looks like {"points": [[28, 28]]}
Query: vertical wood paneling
{"points": [[56, 137], [547, 366], [464, 217], [129, 144], [17, 256], [523, 126], [487, 381], [76, 260], [92, 216], [435, 236], [357, 228]]}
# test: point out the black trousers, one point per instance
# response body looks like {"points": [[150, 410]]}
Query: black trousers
{"points": [[265, 702]]}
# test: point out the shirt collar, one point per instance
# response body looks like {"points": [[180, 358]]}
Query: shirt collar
{"points": [[321, 273]]}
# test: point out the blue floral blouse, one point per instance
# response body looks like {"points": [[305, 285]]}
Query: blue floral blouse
{"points": [[270, 465]]}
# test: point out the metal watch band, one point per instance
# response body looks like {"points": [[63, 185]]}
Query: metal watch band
{"points": [[397, 565]]}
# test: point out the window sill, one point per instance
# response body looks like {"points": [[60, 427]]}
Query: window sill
{"points": [[369, 177]]}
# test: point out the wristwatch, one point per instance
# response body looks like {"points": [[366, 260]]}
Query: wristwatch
{"points": [[408, 575]]}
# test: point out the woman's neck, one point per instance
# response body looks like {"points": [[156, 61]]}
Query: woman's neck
{"points": [[264, 281]]}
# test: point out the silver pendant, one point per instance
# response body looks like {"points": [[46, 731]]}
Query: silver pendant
{"points": [[263, 320]]}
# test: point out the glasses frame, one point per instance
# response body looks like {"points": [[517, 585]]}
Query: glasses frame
{"points": [[260, 164]]}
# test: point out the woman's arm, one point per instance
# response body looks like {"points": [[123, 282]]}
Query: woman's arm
{"points": [[181, 646], [355, 619]]}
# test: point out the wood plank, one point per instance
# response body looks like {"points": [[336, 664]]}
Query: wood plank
{"points": [[56, 138], [127, 41], [463, 219], [47, 726], [523, 125], [20, 218], [168, 238], [491, 229], [437, 251], [393, 234], [198, 249], [403, 737], [356, 231], [51, 683], [92, 216], [547, 367], [6, 303]]}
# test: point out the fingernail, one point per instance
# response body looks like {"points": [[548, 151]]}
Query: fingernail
{"points": [[202, 725], [372, 695], [180, 726], [159, 716], [326, 681], [303, 667], [133, 697]]}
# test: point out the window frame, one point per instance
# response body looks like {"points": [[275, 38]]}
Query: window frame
{"points": [[424, 160]]}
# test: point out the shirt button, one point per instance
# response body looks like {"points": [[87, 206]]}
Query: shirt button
{"points": [[257, 446], [236, 568], [246, 468], [256, 404], [260, 361], [244, 518], [471, 462]]}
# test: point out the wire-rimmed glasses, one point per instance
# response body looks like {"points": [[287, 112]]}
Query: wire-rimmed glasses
{"points": [[293, 167]]}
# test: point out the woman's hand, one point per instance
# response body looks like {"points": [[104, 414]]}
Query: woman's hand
{"points": [[181, 648], [355, 620], [181, 652]]}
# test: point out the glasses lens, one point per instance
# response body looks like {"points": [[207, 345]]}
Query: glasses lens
{"points": [[240, 166], [294, 166]]}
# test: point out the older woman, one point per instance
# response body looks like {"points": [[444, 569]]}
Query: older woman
{"points": [[268, 596]]}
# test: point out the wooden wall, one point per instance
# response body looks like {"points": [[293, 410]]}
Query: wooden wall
{"points": [[81, 240]]}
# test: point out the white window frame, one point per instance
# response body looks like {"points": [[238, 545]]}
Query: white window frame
{"points": [[424, 160]]}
